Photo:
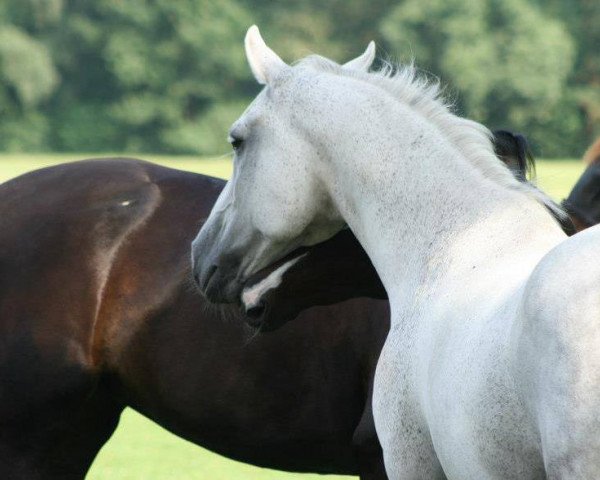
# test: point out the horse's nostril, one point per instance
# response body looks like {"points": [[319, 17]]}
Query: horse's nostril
{"points": [[211, 271]]}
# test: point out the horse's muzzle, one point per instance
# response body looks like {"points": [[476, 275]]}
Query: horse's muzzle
{"points": [[216, 276], [217, 284]]}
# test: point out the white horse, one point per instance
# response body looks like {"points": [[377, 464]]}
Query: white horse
{"points": [[491, 369]]}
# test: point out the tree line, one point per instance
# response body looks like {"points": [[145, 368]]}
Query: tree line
{"points": [[170, 75]]}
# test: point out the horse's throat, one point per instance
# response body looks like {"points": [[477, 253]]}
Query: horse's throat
{"points": [[428, 246]]}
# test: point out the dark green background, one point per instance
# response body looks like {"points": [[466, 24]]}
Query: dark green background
{"points": [[169, 75]]}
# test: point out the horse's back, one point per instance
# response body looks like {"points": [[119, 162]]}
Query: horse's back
{"points": [[566, 278], [560, 307], [558, 354], [560, 304]]}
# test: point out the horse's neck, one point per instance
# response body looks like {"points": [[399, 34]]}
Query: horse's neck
{"points": [[455, 233]]}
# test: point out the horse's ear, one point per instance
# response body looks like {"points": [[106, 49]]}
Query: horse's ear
{"points": [[364, 61], [264, 62]]}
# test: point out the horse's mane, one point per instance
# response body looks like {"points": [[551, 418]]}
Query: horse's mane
{"points": [[473, 140], [513, 149], [592, 154]]}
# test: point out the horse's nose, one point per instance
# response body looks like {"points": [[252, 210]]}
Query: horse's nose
{"points": [[202, 268], [202, 276], [208, 274], [215, 272], [217, 283]]}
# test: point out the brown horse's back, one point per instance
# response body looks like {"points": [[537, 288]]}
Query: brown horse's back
{"points": [[56, 250]]}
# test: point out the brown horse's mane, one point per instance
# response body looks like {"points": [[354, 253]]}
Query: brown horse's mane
{"points": [[592, 154], [513, 149]]}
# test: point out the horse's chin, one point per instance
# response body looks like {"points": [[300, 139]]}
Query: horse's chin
{"points": [[255, 294]]}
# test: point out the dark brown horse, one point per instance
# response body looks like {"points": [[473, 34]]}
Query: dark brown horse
{"points": [[97, 313]]}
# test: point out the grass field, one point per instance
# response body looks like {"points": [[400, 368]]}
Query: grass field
{"points": [[140, 450]]}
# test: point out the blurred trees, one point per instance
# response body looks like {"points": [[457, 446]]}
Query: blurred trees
{"points": [[170, 75], [509, 62], [28, 76], [141, 75]]}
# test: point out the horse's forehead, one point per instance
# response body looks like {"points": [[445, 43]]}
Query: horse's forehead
{"points": [[295, 82], [260, 111], [290, 91]]}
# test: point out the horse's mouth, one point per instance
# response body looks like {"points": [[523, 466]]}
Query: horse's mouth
{"points": [[252, 297]]}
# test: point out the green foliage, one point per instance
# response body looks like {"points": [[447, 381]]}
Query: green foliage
{"points": [[87, 127], [27, 131], [170, 75], [169, 63], [509, 62], [27, 69], [208, 134]]}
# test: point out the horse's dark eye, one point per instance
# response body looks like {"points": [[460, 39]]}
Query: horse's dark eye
{"points": [[236, 143]]}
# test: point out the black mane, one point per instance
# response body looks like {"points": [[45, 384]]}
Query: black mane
{"points": [[513, 149]]}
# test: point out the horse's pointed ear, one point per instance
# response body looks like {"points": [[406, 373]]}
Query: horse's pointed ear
{"points": [[264, 62], [364, 61]]}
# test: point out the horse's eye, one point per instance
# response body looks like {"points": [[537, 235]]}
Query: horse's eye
{"points": [[236, 142]]}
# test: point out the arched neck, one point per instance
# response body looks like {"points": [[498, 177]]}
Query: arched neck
{"points": [[438, 223]]}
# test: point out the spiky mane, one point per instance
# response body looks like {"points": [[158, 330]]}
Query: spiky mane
{"points": [[473, 140]]}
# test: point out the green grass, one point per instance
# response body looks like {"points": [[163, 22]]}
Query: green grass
{"points": [[557, 177], [12, 165], [141, 450]]}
